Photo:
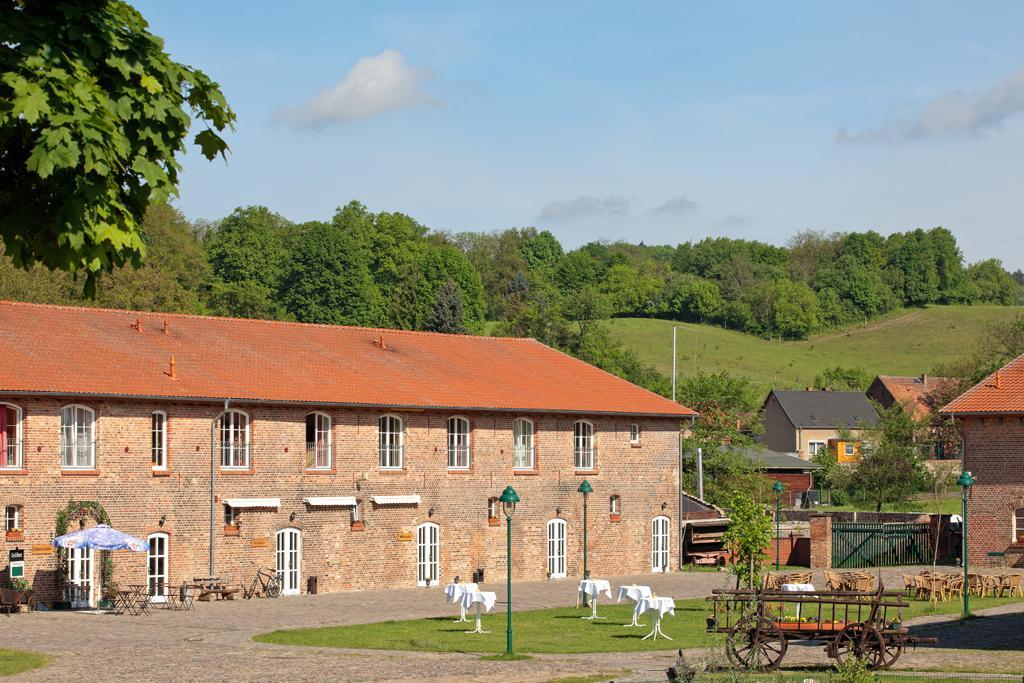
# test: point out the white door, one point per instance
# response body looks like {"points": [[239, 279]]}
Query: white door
{"points": [[556, 549], [289, 560], [428, 546], [80, 567], [156, 571], [659, 544]]}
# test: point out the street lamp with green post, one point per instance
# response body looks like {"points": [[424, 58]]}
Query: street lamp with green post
{"points": [[508, 499], [585, 488], [777, 487], [965, 482]]}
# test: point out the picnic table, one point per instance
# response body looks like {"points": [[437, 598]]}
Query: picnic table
{"points": [[213, 586]]}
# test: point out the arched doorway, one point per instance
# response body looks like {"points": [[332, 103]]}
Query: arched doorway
{"points": [[289, 560], [78, 567]]}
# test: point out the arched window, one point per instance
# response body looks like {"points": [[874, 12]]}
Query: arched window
{"points": [[522, 439], [10, 436], [614, 506], [318, 441], [158, 440], [1018, 525], [77, 437], [458, 443], [234, 440], [659, 544], [556, 549], [390, 438], [156, 572], [583, 445]]}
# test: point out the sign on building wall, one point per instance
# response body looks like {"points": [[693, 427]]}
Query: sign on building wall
{"points": [[42, 549], [404, 535], [260, 542]]}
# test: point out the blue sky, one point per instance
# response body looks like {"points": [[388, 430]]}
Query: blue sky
{"points": [[643, 121]]}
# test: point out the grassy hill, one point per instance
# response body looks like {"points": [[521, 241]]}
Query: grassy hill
{"points": [[910, 343]]}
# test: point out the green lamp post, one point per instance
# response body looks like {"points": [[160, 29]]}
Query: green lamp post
{"points": [[508, 499], [965, 482], [777, 487], [586, 489]]}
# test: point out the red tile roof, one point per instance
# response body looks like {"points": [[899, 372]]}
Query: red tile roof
{"points": [[81, 351], [1002, 392], [916, 391]]}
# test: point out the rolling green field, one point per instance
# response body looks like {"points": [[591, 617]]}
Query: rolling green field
{"points": [[910, 343]]}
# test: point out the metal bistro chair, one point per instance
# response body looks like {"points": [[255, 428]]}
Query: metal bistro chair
{"points": [[186, 596]]}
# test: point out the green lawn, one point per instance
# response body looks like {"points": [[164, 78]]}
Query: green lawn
{"points": [[908, 343], [558, 630], [951, 504], [15, 661]]}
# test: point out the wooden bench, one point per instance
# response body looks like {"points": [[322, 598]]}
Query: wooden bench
{"points": [[209, 587]]}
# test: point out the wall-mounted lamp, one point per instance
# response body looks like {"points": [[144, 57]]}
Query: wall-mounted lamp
{"points": [[430, 512], [81, 524], [291, 517], [558, 512], [664, 506], [163, 520]]}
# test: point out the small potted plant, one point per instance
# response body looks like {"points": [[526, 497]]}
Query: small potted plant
{"points": [[22, 585], [710, 619], [15, 535]]}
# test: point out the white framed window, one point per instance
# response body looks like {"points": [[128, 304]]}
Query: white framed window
{"points": [[815, 447], [492, 508], [556, 549], [615, 505], [583, 445], [850, 449], [230, 516], [12, 518], [156, 568], [1018, 525], [158, 433], [428, 553], [390, 439], [234, 440], [458, 443], [77, 437], [659, 544], [522, 443], [10, 437], [319, 454], [634, 434]]}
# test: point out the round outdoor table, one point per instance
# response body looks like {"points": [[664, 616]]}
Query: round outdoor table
{"points": [[485, 599], [454, 593], [635, 594], [658, 607], [797, 588], [593, 588]]}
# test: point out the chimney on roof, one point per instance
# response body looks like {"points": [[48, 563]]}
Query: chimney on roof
{"points": [[167, 328], [137, 325], [998, 372], [171, 370], [379, 341]]}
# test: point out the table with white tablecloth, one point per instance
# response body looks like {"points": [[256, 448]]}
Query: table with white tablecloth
{"points": [[454, 592], [482, 599], [798, 588], [658, 607], [633, 593], [592, 588]]}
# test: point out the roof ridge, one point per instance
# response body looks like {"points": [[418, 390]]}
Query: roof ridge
{"points": [[294, 323], [982, 385]]}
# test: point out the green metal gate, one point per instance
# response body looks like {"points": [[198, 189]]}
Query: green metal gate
{"points": [[880, 545]]}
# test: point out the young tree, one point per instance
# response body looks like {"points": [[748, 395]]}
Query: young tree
{"points": [[749, 533], [93, 113], [890, 468], [447, 315]]}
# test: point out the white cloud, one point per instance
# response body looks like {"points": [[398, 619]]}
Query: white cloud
{"points": [[676, 206], [585, 206], [375, 85], [952, 112]]}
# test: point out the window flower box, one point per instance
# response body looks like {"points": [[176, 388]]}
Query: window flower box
{"points": [[615, 517], [358, 526], [15, 536], [493, 521], [230, 530]]}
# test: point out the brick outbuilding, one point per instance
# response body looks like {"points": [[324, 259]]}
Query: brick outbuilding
{"points": [[364, 458], [991, 415]]}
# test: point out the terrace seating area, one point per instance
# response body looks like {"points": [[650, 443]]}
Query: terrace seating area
{"points": [[940, 586], [859, 580]]}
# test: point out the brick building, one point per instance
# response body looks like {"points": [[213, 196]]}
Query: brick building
{"points": [[991, 417], [364, 458], [794, 473]]}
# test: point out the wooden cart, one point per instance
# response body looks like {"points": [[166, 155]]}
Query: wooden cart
{"points": [[850, 624]]}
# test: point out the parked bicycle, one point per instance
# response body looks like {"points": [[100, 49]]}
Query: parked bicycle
{"points": [[265, 584]]}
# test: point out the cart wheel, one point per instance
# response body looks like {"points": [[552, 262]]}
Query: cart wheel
{"points": [[860, 641], [893, 650], [756, 644]]}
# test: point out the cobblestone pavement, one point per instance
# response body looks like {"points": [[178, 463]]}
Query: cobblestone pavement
{"points": [[214, 641]]}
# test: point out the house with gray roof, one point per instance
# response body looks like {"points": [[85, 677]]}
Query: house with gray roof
{"points": [[803, 422]]}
